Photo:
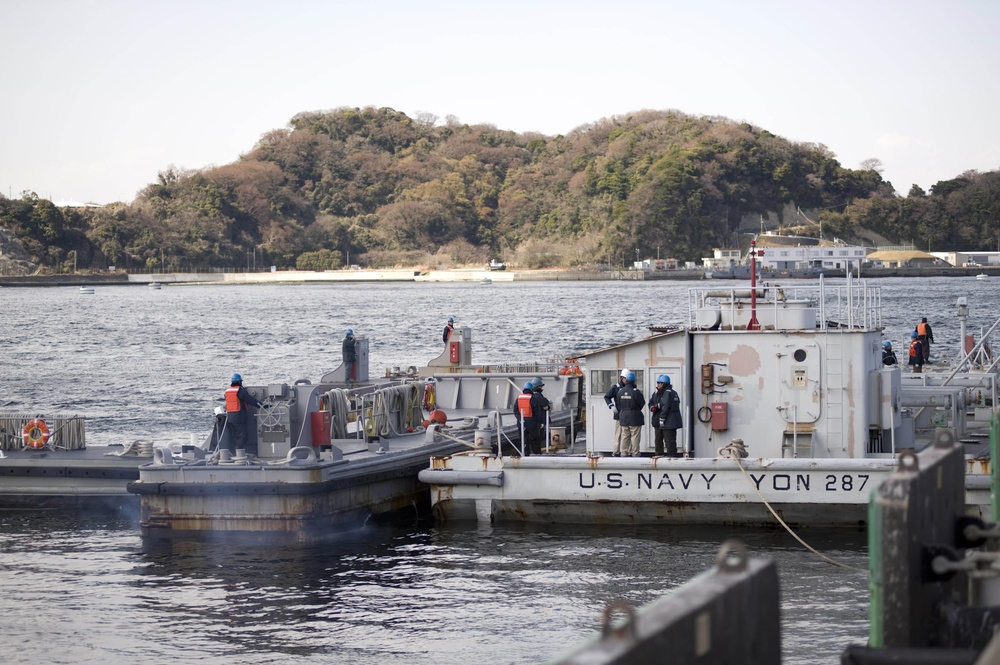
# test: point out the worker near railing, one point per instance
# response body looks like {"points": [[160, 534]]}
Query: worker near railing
{"points": [[926, 336], [530, 413], [916, 354], [350, 353], [238, 403]]}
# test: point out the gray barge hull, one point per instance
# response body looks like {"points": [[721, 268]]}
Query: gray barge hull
{"points": [[305, 502]]}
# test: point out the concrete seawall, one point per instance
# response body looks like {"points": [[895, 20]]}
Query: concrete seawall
{"points": [[456, 275]]}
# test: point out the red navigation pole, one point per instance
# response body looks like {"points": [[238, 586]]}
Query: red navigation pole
{"points": [[753, 325]]}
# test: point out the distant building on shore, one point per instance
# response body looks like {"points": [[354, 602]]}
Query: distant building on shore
{"points": [[969, 259]]}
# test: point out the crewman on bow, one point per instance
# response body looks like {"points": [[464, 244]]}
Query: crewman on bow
{"points": [[238, 403]]}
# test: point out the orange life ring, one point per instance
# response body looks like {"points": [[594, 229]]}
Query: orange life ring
{"points": [[35, 433]]}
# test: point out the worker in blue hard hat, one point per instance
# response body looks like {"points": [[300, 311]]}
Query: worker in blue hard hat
{"points": [[916, 353], [630, 405], [665, 416], [350, 353], [888, 355], [530, 413], [238, 403], [448, 327]]}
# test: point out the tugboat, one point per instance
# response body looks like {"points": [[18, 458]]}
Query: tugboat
{"points": [[789, 416]]}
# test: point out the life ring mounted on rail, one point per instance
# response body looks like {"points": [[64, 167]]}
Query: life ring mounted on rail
{"points": [[35, 434]]}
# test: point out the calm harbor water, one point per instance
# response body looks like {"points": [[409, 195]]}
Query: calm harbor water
{"points": [[148, 364]]}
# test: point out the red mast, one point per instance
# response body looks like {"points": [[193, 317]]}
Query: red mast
{"points": [[754, 324]]}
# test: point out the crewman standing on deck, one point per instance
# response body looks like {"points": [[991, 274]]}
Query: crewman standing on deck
{"points": [[611, 399], [916, 354], [530, 413], [350, 353], [926, 336], [630, 405], [238, 403], [448, 327]]}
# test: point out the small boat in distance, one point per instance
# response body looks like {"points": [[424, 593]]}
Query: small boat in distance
{"points": [[87, 290], [154, 285], [982, 275]]}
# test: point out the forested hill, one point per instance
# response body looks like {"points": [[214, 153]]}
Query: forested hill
{"points": [[378, 188]]}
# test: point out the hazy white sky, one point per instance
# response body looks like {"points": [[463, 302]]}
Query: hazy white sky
{"points": [[100, 95]]}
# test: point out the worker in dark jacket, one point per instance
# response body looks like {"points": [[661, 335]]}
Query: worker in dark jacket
{"points": [[350, 353], [665, 416], [888, 355], [630, 405], [238, 403], [531, 408], [611, 399], [448, 327], [926, 336], [916, 354]]}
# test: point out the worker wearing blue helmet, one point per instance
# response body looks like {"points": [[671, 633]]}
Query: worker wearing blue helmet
{"points": [[665, 416], [916, 354], [448, 327], [530, 413], [238, 403], [630, 405], [350, 353], [888, 355]]}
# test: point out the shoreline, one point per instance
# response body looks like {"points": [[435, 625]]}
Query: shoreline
{"points": [[438, 276]]}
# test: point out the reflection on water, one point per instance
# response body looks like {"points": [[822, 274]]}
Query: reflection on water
{"points": [[406, 594]]}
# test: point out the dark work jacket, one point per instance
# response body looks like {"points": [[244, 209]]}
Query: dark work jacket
{"points": [[916, 353], [888, 357], [447, 332], [668, 409], [630, 403], [611, 397], [350, 352]]}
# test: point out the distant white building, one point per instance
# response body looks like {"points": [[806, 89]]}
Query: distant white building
{"points": [[817, 256], [972, 259], [792, 257]]}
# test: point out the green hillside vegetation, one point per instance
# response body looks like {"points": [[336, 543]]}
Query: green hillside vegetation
{"points": [[375, 187]]}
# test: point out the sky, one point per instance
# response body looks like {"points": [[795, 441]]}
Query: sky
{"points": [[101, 95]]}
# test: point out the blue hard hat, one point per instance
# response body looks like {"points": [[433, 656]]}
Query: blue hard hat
{"points": [[663, 378], [887, 344], [236, 378], [537, 382], [630, 377], [451, 319], [529, 386], [350, 331], [913, 334]]}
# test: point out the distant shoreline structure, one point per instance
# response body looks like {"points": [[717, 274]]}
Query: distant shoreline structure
{"points": [[457, 275]]}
